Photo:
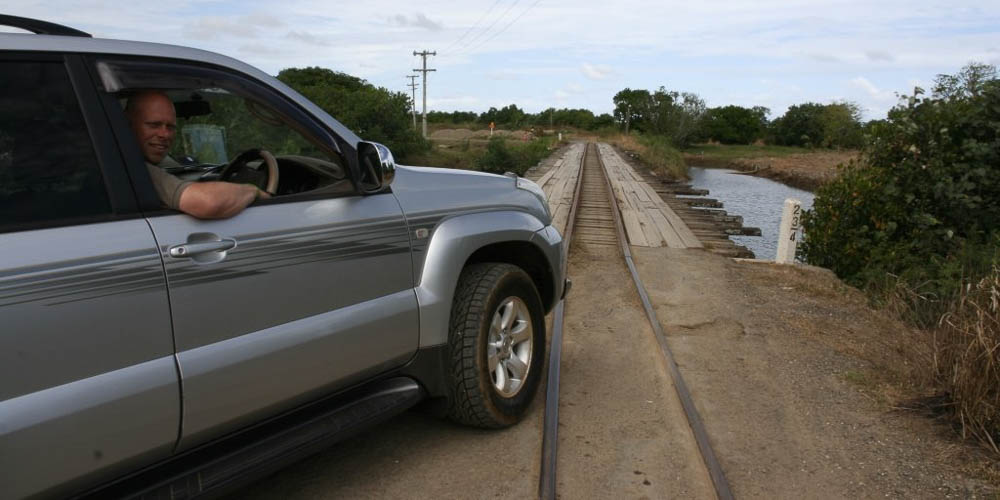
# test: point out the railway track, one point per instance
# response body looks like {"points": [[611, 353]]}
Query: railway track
{"points": [[594, 221]]}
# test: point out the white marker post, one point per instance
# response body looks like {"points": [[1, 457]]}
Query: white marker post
{"points": [[791, 222]]}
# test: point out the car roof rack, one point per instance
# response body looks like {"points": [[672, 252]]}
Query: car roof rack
{"points": [[40, 27]]}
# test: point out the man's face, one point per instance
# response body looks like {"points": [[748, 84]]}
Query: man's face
{"points": [[154, 124]]}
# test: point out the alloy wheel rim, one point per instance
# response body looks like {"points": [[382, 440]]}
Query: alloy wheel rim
{"points": [[509, 348]]}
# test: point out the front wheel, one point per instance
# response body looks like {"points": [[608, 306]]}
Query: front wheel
{"points": [[497, 345]]}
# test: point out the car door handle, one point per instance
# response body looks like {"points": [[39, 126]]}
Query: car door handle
{"points": [[194, 249]]}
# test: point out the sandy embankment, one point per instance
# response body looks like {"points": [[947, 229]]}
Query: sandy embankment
{"points": [[806, 171]]}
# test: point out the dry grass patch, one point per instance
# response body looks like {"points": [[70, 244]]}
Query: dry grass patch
{"points": [[967, 360]]}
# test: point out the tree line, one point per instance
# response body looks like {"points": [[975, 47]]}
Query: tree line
{"points": [[511, 116], [682, 118]]}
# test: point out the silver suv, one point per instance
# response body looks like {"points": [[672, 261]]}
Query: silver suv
{"points": [[147, 352]]}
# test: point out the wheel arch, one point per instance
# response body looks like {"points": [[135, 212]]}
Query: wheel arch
{"points": [[511, 237], [528, 257]]}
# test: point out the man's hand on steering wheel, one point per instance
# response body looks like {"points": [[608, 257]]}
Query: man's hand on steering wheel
{"points": [[267, 182]]}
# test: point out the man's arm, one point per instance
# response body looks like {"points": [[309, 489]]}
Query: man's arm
{"points": [[218, 200]]}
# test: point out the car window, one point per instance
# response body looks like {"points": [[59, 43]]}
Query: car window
{"points": [[221, 115], [48, 169], [215, 125]]}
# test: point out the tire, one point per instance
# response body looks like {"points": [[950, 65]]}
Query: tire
{"points": [[481, 396]]}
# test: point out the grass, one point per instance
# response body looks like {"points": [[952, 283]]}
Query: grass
{"points": [[431, 127], [469, 155], [967, 359], [964, 355], [856, 378], [463, 157], [654, 151]]}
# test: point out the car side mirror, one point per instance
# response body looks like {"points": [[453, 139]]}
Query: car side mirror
{"points": [[378, 168]]}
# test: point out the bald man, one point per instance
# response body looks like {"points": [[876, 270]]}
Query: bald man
{"points": [[154, 122]]}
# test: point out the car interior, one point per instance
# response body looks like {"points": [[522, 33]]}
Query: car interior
{"points": [[227, 137]]}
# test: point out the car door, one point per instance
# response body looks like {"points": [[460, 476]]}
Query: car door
{"points": [[290, 299], [88, 381]]}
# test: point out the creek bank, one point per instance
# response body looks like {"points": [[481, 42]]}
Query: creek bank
{"points": [[807, 171]]}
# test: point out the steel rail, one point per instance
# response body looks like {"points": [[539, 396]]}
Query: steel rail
{"points": [[719, 481], [550, 436]]}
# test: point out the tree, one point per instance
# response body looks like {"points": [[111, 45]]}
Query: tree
{"points": [[735, 124], [842, 125], [603, 120], [488, 116], [454, 117], [834, 125], [971, 81], [631, 108], [801, 125], [675, 115], [510, 115], [372, 112]]}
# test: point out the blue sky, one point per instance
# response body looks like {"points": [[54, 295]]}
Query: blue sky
{"points": [[578, 54]]}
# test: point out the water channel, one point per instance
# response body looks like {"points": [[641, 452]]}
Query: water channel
{"points": [[757, 199]]}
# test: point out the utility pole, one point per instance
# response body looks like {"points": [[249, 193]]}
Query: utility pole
{"points": [[423, 54], [628, 117], [413, 107]]}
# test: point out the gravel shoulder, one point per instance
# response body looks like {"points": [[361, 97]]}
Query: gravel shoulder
{"points": [[788, 368]]}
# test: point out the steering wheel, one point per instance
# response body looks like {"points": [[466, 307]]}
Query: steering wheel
{"points": [[235, 170]]}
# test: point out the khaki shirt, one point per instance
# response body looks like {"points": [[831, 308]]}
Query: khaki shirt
{"points": [[168, 187]]}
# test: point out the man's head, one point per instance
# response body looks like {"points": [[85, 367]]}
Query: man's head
{"points": [[154, 123]]}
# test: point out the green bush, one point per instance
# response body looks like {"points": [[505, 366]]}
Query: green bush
{"points": [[834, 125], [917, 224], [923, 204], [501, 156], [660, 153], [735, 124], [498, 158]]}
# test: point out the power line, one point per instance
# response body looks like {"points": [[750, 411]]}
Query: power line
{"points": [[452, 44], [508, 25], [488, 28]]}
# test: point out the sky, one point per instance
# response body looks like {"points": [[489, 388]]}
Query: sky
{"points": [[578, 54]]}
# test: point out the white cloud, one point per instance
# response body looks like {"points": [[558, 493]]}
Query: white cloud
{"points": [[824, 58], [418, 21], [248, 26], [595, 72], [306, 37], [504, 74], [452, 102], [808, 50], [879, 56], [873, 91]]}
